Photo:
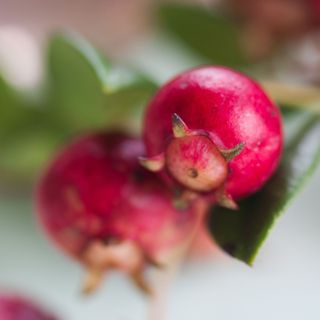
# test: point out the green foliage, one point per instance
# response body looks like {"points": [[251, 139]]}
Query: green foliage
{"points": [[12, 110], [23, 156], [208, 34], [241, 233], [88, 92], [85, 92], [22, 144]]}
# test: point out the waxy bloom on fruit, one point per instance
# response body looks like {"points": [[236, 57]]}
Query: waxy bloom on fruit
{"points": [[213, 131], [98, 204], [17, 308]]}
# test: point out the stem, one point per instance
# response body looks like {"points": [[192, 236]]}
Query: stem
{"points": [[165, 277], [92, 280], [294, 95], [163, 282]]}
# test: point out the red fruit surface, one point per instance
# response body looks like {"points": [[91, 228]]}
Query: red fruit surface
{"points": [[316, 8], [230, 109], [95, 195], [17, 308]]}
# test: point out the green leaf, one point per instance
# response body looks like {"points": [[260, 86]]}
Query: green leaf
{"points": [[208, 34], [87, 91], [24, 155], [241, 233], [25, 136], [12, 110]]}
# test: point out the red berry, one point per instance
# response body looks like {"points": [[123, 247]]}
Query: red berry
{"points": [[17, 308], [316, 8], [212, 129], [101, 207]]}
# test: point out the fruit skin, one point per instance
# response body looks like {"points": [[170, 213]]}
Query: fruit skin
{"points": [[98, 204], [17, 308], [230, 109]]}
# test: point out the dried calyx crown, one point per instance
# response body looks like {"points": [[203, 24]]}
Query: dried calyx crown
{"points": [[126, 255], [195, 162]]}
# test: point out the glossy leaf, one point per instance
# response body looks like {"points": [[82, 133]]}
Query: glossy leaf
{"points": [[241, 233], [208, 34], [87, 91]]}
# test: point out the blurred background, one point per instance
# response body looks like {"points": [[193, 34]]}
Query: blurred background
{"points": [[69, 67]]}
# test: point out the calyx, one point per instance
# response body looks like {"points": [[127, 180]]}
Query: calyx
{"points": [[195, 162]]}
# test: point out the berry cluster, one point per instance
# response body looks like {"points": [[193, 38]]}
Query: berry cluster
{"points": [[212, 136]]}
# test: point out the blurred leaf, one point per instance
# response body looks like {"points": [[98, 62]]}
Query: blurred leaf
{"points": [[88, 92], [289, 112], [23, 144], [24, 155], [206, 33], [241, 233], [12, 110], [85, 93]]}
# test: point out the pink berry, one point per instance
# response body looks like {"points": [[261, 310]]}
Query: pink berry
{"points": [[213, 130], [102, 208], [17, 308]]}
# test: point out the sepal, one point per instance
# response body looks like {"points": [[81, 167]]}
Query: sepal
{"points": [[179, 128], [153, 164]]}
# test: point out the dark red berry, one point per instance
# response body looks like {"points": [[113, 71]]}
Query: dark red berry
{"points": [[101, 207]]}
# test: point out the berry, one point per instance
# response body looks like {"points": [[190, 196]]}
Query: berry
{"points": [[102, 208], [17, 308], [212, 130]]}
